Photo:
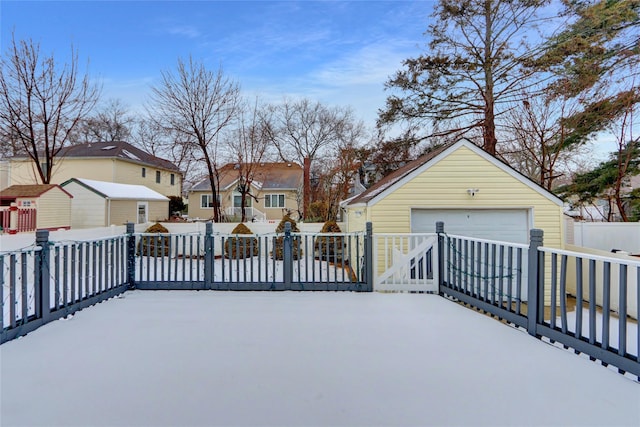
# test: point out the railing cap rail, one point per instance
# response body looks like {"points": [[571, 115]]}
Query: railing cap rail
{"points": [[585, 255], [496, 242]]}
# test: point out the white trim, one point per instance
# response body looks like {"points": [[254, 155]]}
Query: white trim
{"points": [[450, 150], [284, 200]]}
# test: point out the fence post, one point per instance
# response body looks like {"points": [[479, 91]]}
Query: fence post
{"points": [[440, 232], [368, 258], [287, 256], [208, 255], [13, 218], [131, 255], [42, 303], [535, 304]]}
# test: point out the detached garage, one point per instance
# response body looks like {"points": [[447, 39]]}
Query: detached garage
{"points": [[471, 191], [101, 204]]}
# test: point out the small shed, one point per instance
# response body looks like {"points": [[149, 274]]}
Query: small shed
{"points": [[472, 192], [101, 204], [50, 202]]}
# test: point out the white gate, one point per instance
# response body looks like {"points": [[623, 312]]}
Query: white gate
{"points": [[405, 262]]}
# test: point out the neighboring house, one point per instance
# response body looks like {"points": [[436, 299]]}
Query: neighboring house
{"points": [[4, 174], [603, 209], [118, 162], [51, 203], [101, 204], [276, 187], [471, 191]]}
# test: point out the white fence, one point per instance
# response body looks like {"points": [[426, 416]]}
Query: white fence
{"points": [[606, 236]]}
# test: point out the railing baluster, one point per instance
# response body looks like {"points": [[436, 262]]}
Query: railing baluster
{"points": [[13, 297], [554, 289], [563, 293], [25, 287], [606, 304], [579, 297], [485, 288], [519, 263], [622, 311], [592, 301]]}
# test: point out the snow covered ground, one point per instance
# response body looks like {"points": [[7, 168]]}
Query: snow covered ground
{"points": [[155, 358]]}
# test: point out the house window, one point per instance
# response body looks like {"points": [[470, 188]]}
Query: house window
{"points": [[173, 179], [144, 172], [158, 177], [237, 200], [206, 200], [274, 201]]}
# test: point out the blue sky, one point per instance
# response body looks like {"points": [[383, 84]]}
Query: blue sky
{"points": [[339, 53]]}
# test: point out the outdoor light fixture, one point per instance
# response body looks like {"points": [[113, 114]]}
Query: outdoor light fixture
{"points": [[472, 191]]}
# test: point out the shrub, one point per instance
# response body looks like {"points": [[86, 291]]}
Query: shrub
{"points": [[329, 247], [176, 205], [154, 246], [241, 247], [278, 248]]}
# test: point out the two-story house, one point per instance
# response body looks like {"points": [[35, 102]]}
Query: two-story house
{"points": [[117, 162], [275, 187]]}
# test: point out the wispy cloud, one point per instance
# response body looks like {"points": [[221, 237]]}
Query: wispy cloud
{"points": [[187, 31]]}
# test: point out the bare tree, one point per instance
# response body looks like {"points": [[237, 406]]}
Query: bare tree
{"points": [[112, 122], [306, 129], [535, 139], [42, 102], [627, 155], [163, 142], [247, 146], [197, 104], [475, 62]]}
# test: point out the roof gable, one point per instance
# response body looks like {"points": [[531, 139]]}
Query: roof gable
{"points": [[31, 190], [406, 173], [266, 176]]}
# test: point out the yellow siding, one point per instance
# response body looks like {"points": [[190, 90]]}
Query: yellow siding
{"points": [[445, 184], [158, 211], [131, 173], [109, 170], [123, 211], [54, 209], [226, 199]]}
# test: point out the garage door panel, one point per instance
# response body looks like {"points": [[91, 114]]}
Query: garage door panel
{"points": [[511, 225]]}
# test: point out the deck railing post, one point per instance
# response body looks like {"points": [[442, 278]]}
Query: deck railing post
{"points": [[42, 275], [208, 255], [368, 258], [441, 237], [287, 256], [534, 282], [131, 256]]}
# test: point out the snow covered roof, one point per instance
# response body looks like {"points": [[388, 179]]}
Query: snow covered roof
{"points": [[114, 190]]}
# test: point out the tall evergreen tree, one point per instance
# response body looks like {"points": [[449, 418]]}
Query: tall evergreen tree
{"points": [[473, 67]]}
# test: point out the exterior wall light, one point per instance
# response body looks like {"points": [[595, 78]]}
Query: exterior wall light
{"points": [[472, 191]]}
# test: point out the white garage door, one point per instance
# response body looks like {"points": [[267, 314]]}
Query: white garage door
{"points": [[510, 225]]}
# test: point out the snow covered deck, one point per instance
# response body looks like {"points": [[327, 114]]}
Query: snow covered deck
{"points": [[154, 358]]}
